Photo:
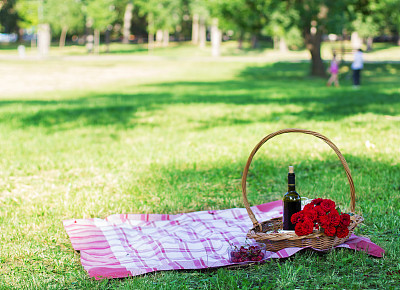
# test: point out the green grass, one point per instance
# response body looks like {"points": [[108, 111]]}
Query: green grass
{"points": [[172, 134]]}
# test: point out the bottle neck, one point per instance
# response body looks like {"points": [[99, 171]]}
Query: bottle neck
{"points": [[291, 182]]}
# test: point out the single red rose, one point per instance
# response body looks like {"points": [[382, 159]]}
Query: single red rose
{"points": [[308, 219], [308, 207], [342, 232], [330, 231], [319, 210], [323, 221], [297, 217], [317, 201], [311, 215], [303, 229], [308, 227], [334, 218], [328, 205], [345, 219], [298, 229]]}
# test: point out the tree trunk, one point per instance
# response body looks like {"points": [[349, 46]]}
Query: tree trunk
{"points": [[313, 43], [96, 41], [127, 22], [370, 41], [63, 36], [282, 45], [159, 37], [240, 40], [215, 38], [33, 41], [44, 39], [108, 38], [150, 28], [166, 38], [88, 35], [254, 41], [195, 29], [356, 41], [151, 41], [202, 32], [21, 35], [276, 42]]}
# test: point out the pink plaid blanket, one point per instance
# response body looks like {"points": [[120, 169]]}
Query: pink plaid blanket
{"points": [[125, 245]]}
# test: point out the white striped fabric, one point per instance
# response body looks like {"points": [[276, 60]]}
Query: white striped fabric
{"points": [[125, 245]]}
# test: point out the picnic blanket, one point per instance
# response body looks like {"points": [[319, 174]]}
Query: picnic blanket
{"points": [[123, 245]]}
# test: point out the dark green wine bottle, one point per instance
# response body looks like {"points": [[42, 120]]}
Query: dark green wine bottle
{"points": [[291, 201]]}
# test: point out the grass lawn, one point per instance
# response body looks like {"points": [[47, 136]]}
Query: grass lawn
{"points": [[93, 136]]}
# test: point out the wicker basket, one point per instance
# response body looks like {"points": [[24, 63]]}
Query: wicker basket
{"points": [[277, 241]]}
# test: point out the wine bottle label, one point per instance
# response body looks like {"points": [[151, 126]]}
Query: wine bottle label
{"points": [[290, 208]]}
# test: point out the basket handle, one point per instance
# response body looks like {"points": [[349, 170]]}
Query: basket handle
{"points": [[292, 130]]}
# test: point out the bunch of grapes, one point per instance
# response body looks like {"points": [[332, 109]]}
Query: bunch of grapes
{"points": [[253, 253]]}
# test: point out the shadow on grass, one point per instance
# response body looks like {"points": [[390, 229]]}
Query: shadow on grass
{"points": [[218, 186], [128, 50], [278, 84], [98, 116]]}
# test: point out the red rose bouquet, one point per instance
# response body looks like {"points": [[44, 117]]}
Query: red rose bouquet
{"points": [[321, 214]]}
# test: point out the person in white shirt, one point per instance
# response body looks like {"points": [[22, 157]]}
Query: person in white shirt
{"points": [[357, 66]]}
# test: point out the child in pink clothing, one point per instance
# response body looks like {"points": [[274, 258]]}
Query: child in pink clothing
{"points": [[333, 70]]}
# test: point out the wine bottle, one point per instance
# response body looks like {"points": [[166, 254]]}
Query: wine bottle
{"points": [[291, 201]]}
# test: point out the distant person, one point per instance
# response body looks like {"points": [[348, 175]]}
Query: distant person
{"points": [[357, 66], [333, 70]]}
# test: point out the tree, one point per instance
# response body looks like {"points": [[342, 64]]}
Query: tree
{"points": [[127, 22], [377, 17], [281, 26], [367, 27], [200, 12], [8, 16], [102, 14], [393, 9], [386, 16], [167, 16], [246, 16], [63, 15], [319, 17], [125, 14], [161, 15], [29, 13]]}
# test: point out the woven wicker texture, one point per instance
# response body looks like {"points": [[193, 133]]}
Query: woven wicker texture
{"points": [[277, 241]]}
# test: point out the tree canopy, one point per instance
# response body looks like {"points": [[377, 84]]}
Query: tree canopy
{"points": [[289, 20], [101, 12], [8, 16], [30, 13], [61, 14]]}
